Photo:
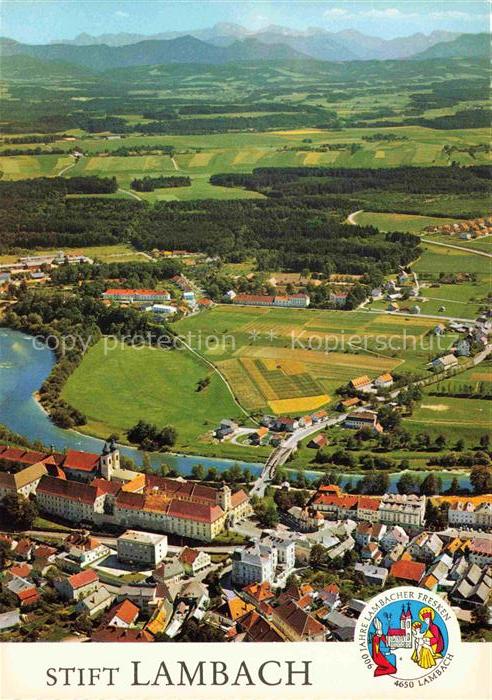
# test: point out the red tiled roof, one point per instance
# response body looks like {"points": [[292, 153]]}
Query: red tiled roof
{"points": [[28, 596], [72, 490], [81, 461], [123, 292], [188, 555], [131, 501], [21, 570], [259, 591], [195, 511], [121, 634], [83, 578], [302, 623], [23, 547], [125, 611], [105, 486], [369, 503], [238, 497], [44, 551], [407, 570], [253, 298]]}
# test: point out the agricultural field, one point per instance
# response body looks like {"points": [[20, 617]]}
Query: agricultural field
{"points": [[411, 223], [118, 388], [454, 417], [292, 361], [437, 259]]}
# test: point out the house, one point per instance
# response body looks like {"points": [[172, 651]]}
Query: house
{"points": [[258, 593], [304, 519], [77, 586], [462, 348], [384, 381], [194, 560], [231, 295], [441, 364], [169, 571], [474, 588], [117, 634], [124, 614], [338, 299], [258, 629], [287, 425], [317, 442], [319, 416], [363, 419], [98, 600], [9, 619], [143, 548], [402, 509], [408, 571], [83, 549], [394, 536], [373, 575], [440, 329], [25, 591], [296, 624], [341, 626], [347, 404], [259, 435], [480, 550], [254, 564], [361, 383], [393, 306], [426, 547]]}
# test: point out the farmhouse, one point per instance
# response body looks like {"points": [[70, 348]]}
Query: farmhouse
{"points": [[384, 381], [363, 419], [317, 442], [445, 362], [361, 383]]}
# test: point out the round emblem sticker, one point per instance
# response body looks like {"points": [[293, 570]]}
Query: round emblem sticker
{"points": [[407, 634]]}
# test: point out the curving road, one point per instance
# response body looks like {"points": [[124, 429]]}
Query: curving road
{"points": [[458, 247]]}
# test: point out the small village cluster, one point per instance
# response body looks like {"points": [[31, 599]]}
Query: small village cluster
{"points": [[36, 268], [466, 230], [159, 301], [155, 574]]}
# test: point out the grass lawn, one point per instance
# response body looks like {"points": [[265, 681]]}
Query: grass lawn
{"points": [[117, 389], [106, 253], [42, 523], [455, 418], [437, 259]]}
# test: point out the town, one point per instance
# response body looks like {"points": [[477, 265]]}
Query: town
{"points": [[129, 556]]}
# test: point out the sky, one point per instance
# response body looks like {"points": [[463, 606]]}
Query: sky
{"points": [[42, 21]]}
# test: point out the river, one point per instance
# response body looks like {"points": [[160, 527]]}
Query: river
{"points": [[23, 368]]}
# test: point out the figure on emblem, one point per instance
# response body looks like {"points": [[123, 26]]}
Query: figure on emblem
{"points": [[381, 653]]}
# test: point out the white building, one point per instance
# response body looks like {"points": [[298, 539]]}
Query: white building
{"points": [[145, 548], [286, 551], [256, 564], [405, 510]]}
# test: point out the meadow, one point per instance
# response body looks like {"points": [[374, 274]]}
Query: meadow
{"points": [[117, 388], [412, 223]]}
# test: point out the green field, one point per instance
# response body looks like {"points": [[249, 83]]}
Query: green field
{"points": [[291, 360], [121, 252], [399, 222], [117, 389], [439, 259]]}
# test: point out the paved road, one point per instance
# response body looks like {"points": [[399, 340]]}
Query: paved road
{"points": [[458, 247], [281, 454]]}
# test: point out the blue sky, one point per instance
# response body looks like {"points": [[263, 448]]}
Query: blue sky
{"points": [[39, 21]]}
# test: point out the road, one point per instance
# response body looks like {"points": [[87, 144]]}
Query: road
{"points": [[281, 454], [458, 247], [68, 167], [130, 194], [351, 217], [217, 370]]}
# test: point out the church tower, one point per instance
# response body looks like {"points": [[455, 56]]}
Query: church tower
{"points": [[224, 498], [109, 460]]}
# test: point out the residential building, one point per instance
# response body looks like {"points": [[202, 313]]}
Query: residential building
{"points": [[98, 600], [145, 548], [404, 510], [359, 419], [473, 589], [77, 586], [361, 383], [441, 364], [254, 564], [338, 299], [296, 624], [124, 614], [194, 560], [480, 550], [84, 549], [373, 575], [407, 571], [426, 547], [384, 381]]}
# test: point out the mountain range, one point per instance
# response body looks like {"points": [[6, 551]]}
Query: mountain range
{"points": [[232, 44]]}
